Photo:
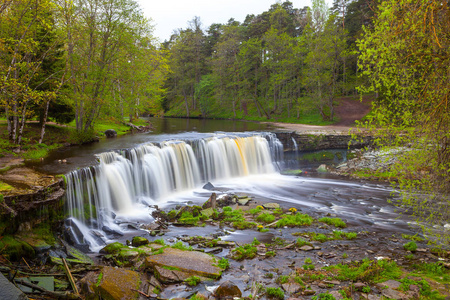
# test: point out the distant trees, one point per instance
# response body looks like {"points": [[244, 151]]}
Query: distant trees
{"points": [[278, 64]]}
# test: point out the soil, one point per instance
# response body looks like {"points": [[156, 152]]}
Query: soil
{"points": [[348, 110]]}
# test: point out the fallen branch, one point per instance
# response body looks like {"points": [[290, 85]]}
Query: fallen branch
{"points": [[69, 275]]}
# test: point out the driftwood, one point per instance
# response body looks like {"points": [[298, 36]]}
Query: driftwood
{"points": [[69, 275]]}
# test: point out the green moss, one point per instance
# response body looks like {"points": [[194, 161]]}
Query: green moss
{"points": [[181, 246], [14, 250], [113, 248], [294, 220], [336, 222], [4, 187], [187, 218], [276, 293], [265, 218], [99, 279]]}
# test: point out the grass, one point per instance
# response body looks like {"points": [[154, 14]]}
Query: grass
{"points": [[296, 220], [265, 218], [336, 222]]}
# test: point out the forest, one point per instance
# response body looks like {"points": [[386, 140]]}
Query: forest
{"points": [[83, 61]]}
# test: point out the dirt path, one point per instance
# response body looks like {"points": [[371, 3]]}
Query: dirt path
{"points": [[348, 111]]}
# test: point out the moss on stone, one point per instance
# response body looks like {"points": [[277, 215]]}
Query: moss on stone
{"points": [[15, 249], [113, 248]]}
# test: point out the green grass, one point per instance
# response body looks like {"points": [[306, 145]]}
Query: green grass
{"points": [[336, 222], [265, 218], [296, 220], [435, 271]]}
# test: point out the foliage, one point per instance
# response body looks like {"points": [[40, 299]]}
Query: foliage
{"points": [[323, 296], [405, 59], [294, 220], [410, 246], [265, 218], [247, 251], [224, 264], [192, 280], [181, 246], [367, 270], [276, 293], [336, 222]]}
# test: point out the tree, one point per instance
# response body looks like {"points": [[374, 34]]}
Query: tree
{"points": [[406, 58]]}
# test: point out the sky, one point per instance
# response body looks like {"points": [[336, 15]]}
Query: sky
{"points": [[168, 15]]}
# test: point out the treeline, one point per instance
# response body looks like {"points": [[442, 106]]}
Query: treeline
{"points": [[81, 60], [286, 63]]}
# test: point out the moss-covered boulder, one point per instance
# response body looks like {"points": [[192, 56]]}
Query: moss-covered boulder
{"points": [[113, 248], [139, 241], [15, 249], [111, 284]]}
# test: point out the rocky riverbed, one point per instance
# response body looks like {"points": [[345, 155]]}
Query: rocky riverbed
{"points": [[239, 246]]}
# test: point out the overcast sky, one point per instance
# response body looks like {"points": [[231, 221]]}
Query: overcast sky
{"points": [[168, 15]]}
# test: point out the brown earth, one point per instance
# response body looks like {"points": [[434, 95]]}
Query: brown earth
{"points": [[348, 110]]}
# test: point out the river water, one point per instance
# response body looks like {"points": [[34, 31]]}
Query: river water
{"points": [[113, 185]]}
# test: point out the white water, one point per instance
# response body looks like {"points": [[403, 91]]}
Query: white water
{"points": [[123, 185]]}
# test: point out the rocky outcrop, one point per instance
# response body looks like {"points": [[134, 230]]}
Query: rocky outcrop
{"points": [[311, 142]]}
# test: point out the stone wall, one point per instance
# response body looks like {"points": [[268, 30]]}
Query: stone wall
{"points": [[312, 142]]}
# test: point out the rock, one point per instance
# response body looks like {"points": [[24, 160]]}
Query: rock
{"points": [[112, 248], [111, 231], [244, 201], [309, 292], [271, 205], [228, 290], [291, 288], [211, 203], [392, 284], [359, 286], [207, 212], [333, 282], [110, 133], [139, 241], [10, 291], [392, 294], [322, 169], [336, 295], [116, 283], [190, 262], [306, 248], [209, 186], [226, 244]]}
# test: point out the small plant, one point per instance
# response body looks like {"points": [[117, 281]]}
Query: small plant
{"points": [[336, 222], [301, 242], [265, 218], [268, 275], [188, 219], [294, 220], [282, 279], [159, 242], [413, 237], [270, 253], [277, 293], [224, 264], [255, 211], [344, 255], [409, 256], [192, 281], [308, 260], [366, 289], [293, 210], [410, 246], [244, 252], [324, 296], [181, 246]]}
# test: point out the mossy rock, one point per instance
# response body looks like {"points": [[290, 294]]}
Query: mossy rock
{"points": [[113, 248], [139, 241], [15, 249]]}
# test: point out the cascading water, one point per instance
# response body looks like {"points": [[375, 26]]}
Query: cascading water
{"points": [[124, 183]]}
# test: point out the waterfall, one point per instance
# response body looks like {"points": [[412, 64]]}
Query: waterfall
{"points": [[146, 174]]}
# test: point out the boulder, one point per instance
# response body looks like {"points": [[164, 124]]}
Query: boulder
{"points": [[322, 168], [209, 186], [193, 263], [271, 205], [228, 290], [10, 291], [211, 203], [110, 133], [139, 241]]}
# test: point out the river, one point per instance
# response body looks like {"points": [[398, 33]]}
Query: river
{"points": [[113, 185]]}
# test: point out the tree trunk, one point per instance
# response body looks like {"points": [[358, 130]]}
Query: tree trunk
{"points": [[44, 120]]}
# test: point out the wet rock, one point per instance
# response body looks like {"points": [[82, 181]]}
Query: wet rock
{"points": [[336, 295], [113, 283], [228, 290], [139, 241], [243, 201], [392, 294], [225, 244], [190, 262], [10, 291], [291, 288], [271, 205], [209, 186], [169, 276], [322, 168], [207, 212], [211, 203], [110, 133], [306, 248], [111, 231], [359, 286], [392, 284], [333, 282], [112, 248]]}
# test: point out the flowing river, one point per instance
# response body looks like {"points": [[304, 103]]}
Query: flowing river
{"points": [[113, 186]]}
